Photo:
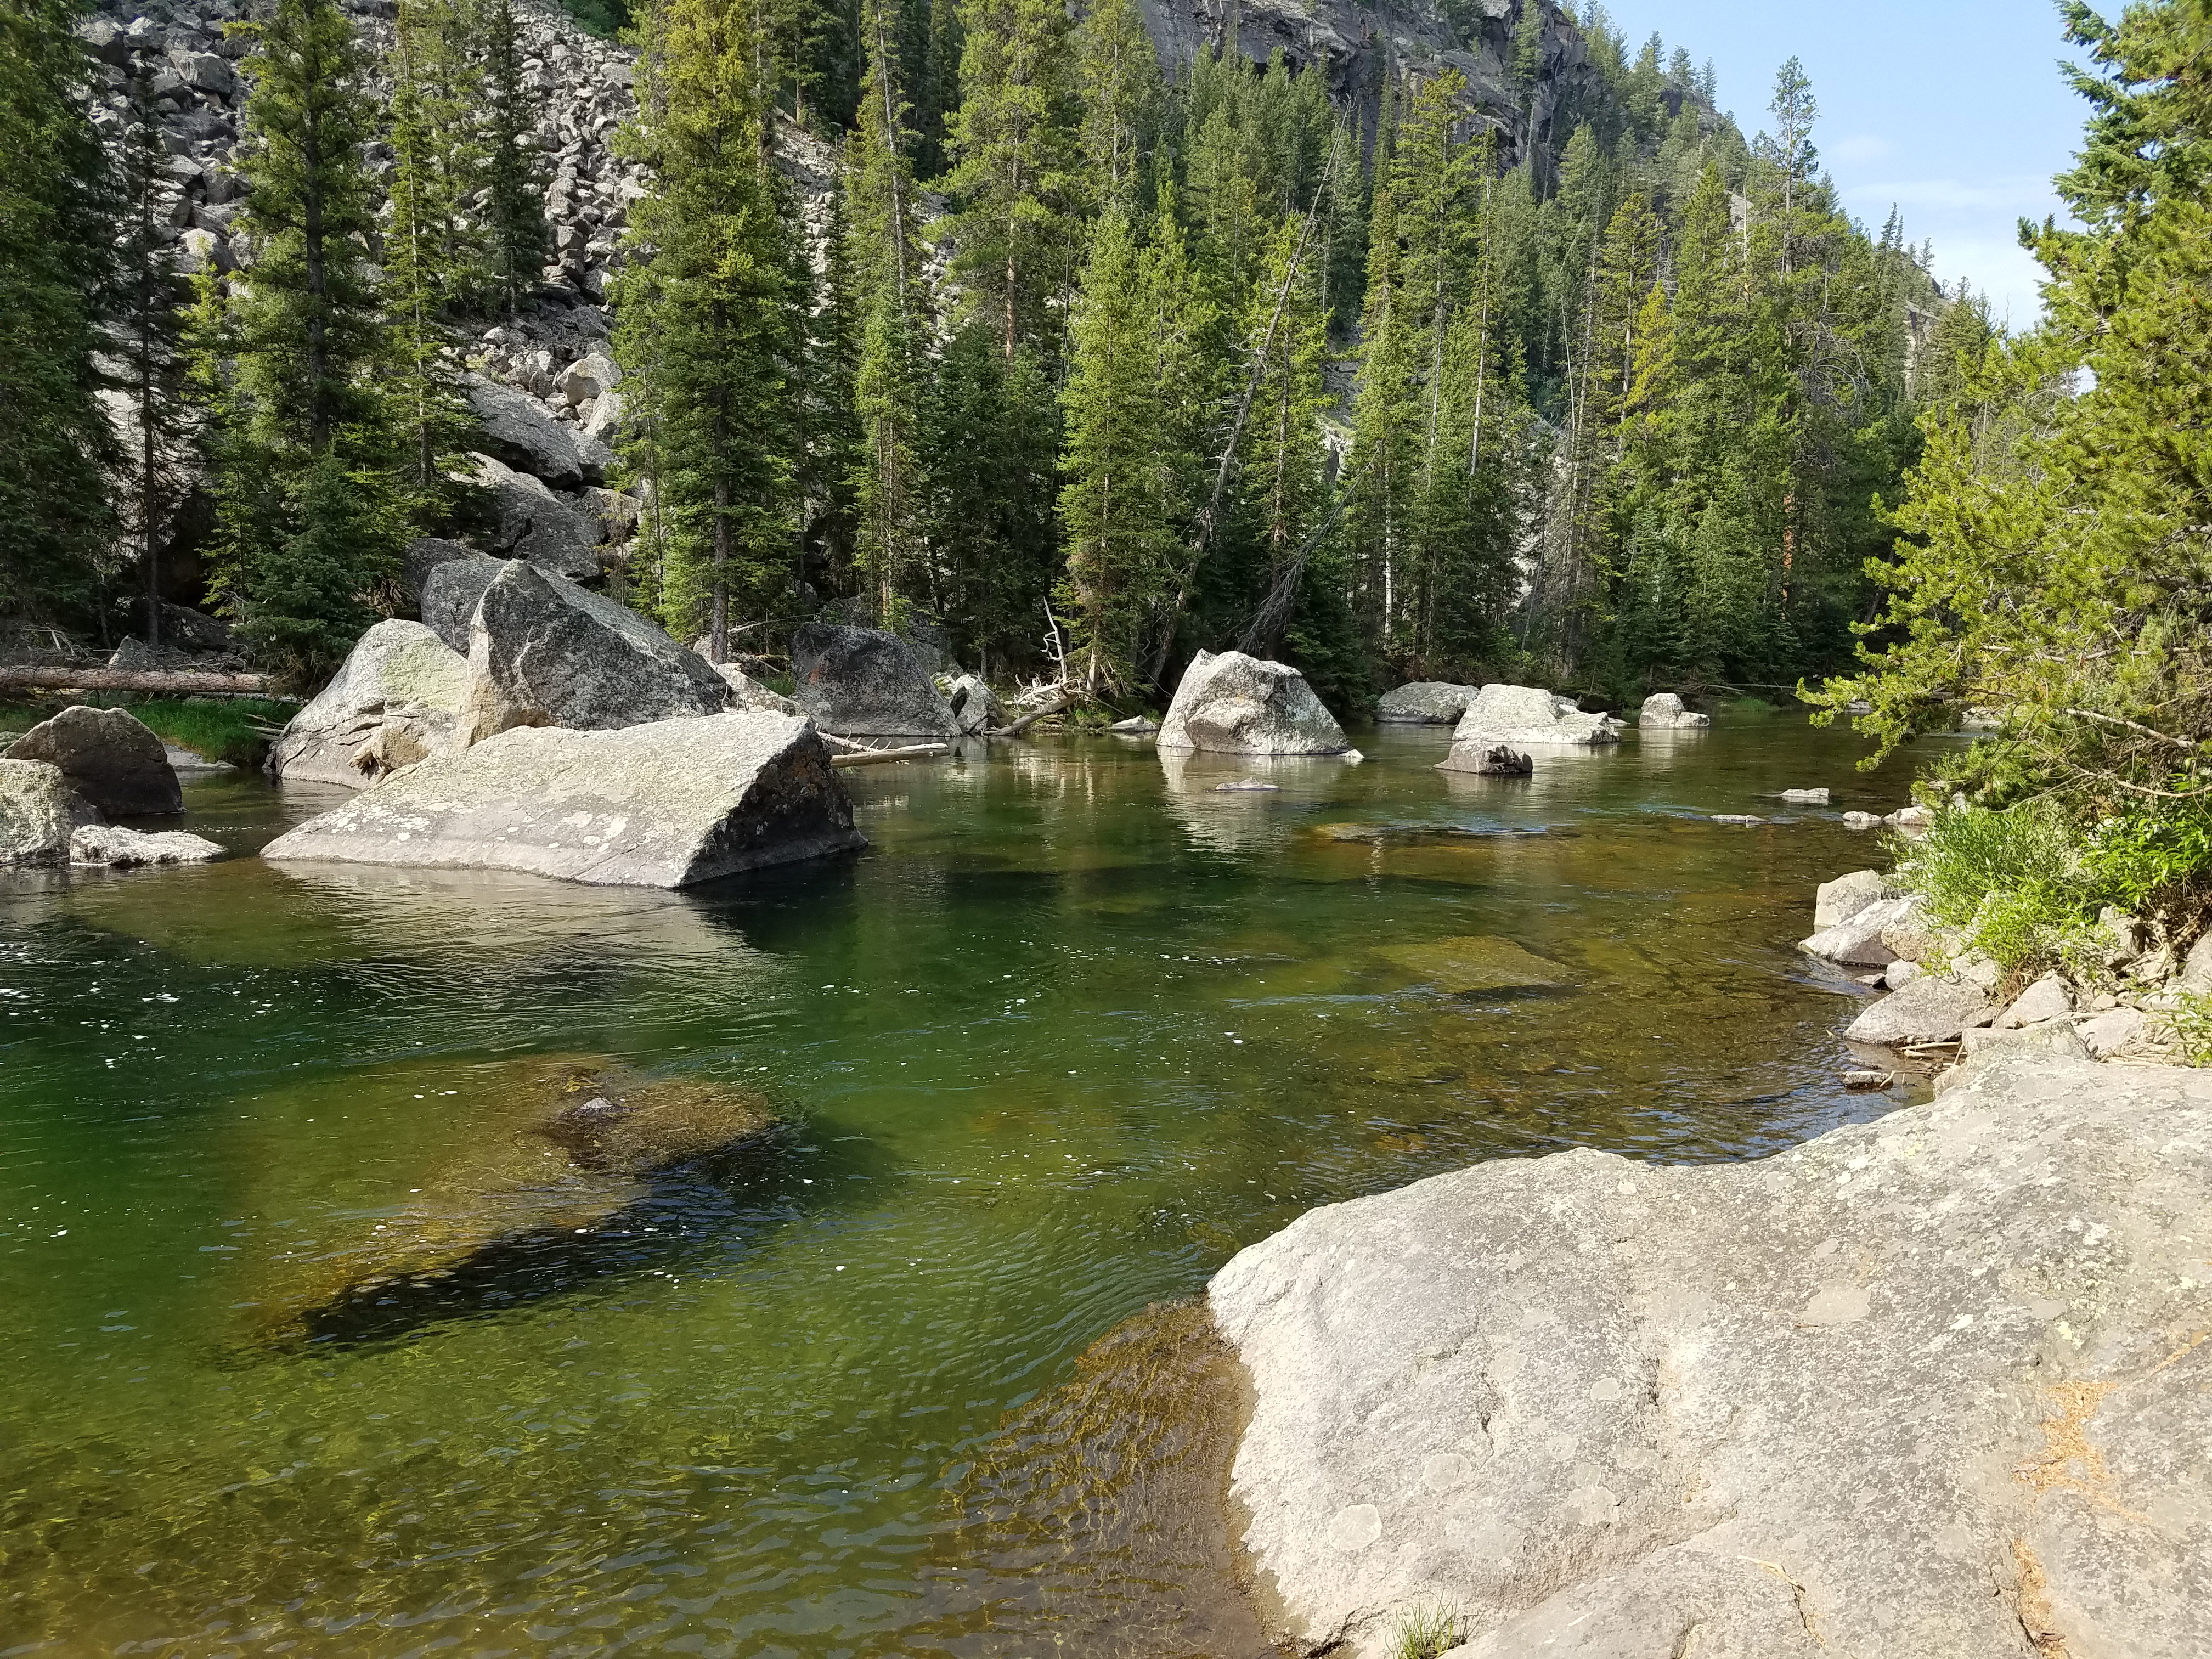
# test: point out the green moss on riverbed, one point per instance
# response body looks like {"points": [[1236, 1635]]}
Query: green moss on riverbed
{"points": [[216, 728]]}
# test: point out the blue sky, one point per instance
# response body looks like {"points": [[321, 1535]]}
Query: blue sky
{"points": [[1951, 109]]}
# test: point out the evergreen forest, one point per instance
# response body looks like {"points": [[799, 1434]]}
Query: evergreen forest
{"points": [[1082, 363]]}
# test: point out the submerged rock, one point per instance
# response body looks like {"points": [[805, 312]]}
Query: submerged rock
{"points": [[1424, 702], [1239, 705], [975, 710], [113, 848], [564, 1143], [399, 694], [665, 804], [1476, 963], [1663, 711], [109, 758], [38, 812], [865, 682], [1929, 1385], [545, 652], [1522, 715]]}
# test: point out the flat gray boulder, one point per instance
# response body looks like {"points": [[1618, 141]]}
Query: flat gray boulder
{"points": [[545, 652], [451, 592], [975, 709], [1233, 704], [1838, 901], [1855, 941], [38, 812], [1522, 715], [865, 682], [1664, 711], [1930, 1008], [1934, 1385], [1424, 702], [535, 524], [110, 758], [519, 432], [665, 804], [112, 846], [396, 699]]}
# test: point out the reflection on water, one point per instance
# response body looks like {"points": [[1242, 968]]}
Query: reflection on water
{"points": [[1076, 1028]]}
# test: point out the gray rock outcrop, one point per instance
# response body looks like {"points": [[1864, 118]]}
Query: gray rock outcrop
{"points": [[1424, 702], [38, 812], [545, 652], [1664, 711], [537, 525], [1933, 1385], [1527, 715], [665, 804], [1233, 704], [451, 594], [110, 758], [398, 694], [865, 682], [519, 431], [424, 555], [975, 709], [112, 846]]}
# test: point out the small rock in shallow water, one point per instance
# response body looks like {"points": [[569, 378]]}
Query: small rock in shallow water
{"points": [[1243, 784], [1735, 817], [1806, 797], [1868, 1079], [118, 848], [1861, 821]]}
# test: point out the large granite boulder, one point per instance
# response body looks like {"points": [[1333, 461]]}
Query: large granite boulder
{"points": [[975, 709], [545, 652], [1522, 716], [38, 812], [664, 804], [1936, 1384], [396, 700], [535, 524], [424, 555], [1234, 704], [864, 683], [451, 592], [1663, 711], [1424, 702], [519, 432], [109, 758]]}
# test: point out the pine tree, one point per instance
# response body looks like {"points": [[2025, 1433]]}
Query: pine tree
{"points": [[1013, 142], [1118, 75], [56, 231], [310, 519], [148, 317], [514, 202], [709, 321]]}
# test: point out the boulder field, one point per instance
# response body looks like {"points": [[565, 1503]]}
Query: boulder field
{"points": [[1939, 1384], [665, 804], [1233, 704]]}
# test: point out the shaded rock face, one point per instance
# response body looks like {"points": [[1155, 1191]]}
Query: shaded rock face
{"points": [[1238, 705], [975, 709], [1522, 715], [566, 1143], [666, 804], [1424, 702], [1930, 1385], [865, 682], [38, 813], [545, 652], [537, 525], [1663, 711], [450, 594], [1488, 760], [109, 758], [400, 692]]}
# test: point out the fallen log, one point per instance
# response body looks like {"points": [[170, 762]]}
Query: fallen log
{"points": [[878, 756], [1017, 727], [166, 682]]}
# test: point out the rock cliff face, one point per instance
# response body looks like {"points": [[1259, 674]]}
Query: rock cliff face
{"points": [[1936, 1384]]}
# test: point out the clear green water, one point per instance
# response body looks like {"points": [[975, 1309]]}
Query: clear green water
{"points": [[1075, 1028]]}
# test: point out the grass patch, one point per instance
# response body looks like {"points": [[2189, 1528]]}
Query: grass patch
{"points": [[215, 728], [1424, 1630]]}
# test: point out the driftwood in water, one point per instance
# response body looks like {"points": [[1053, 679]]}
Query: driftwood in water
{"points": [[1017, 727], [878, 756], [168, 682]]}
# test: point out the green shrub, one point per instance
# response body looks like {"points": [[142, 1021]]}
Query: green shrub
{"points": [[1424, 1630]]}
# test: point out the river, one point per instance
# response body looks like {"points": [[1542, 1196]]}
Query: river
{"points": [[1078, 1026]]}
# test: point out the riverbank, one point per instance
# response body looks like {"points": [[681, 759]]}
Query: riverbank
{"points": [[1933, 1384]]}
